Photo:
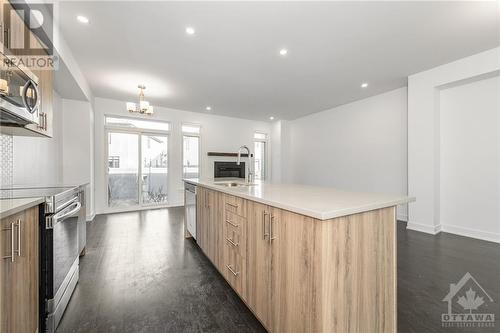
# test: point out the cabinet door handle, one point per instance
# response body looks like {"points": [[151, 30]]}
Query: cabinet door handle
{"points": [[232, 242], [12, 240], [265, 234], [232, 205], [271, 238], [18, 238], [231, 223], [6, 40], [42, 121], [232, 271]]}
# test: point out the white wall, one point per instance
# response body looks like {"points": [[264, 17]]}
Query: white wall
{"points": [[37, 161], [64, 159], [276, 152], [469, 159], [424, 93], [359, 146], [78, 137], [222, 134]]}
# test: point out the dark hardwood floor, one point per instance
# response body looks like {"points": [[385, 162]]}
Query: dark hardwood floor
{"points": [[141, 275]]}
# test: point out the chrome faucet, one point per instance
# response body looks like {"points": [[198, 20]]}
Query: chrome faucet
{"points": [[249, 176]]}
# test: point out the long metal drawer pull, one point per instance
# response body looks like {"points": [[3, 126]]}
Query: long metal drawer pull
{"points": [[232, 271], [231, 223], [18, 238], [264, 214], [232, 205], [232, 242], [271, 238], [12, 239]]}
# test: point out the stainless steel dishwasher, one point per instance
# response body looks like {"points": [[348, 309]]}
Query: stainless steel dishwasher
{"points": [[190, 208]]}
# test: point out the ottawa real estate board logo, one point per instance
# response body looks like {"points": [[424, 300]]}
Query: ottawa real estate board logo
{"points": [[468, 305], [26, 41]]}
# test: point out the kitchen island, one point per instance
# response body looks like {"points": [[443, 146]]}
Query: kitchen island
{"points": [[303, 258]]}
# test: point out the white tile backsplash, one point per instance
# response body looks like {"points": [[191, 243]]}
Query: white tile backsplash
{"points": [[6, 160]]}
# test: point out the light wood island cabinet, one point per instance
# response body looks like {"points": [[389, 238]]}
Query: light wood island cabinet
{"points": [[297, 273], [234, 231], [259, 261]]}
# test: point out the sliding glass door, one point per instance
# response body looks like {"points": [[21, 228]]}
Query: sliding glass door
{"points": [[154, 169], [123, 169], [137, 169]]}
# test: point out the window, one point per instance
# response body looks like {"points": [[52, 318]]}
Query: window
{"points": [[132, 123], [191, 151], [154, 172], [123, 180], [193, 129], [114, 161], [259, 136], [137, 153], [260, 142]]}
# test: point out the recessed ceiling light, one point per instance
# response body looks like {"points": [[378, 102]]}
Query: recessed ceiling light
{"points": [[364, 85], [283, 52], [190, 30], [271, 118], [208, 108], [82, 19]]}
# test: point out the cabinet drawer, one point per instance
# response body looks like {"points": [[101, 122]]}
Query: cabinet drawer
{"points": [[235, 205], [234, 269], [235, 220], [234, 236]]}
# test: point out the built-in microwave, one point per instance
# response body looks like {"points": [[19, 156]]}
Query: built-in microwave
{"points": [[19, 95]]}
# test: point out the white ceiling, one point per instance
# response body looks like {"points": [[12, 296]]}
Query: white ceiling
{"points": [[233, 64]]}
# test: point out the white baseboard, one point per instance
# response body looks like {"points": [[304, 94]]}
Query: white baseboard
{"points": [[473, 233], [136, 208], [428, 229], [452, 229]]}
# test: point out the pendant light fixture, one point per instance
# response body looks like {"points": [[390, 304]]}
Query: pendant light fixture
{"points": [[143, 106]]}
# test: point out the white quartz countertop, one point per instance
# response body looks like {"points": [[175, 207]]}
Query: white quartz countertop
{"points": [[319, 202], [10, 207]]}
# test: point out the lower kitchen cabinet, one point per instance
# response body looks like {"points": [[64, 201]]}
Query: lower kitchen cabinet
{"points": [[259, 262], [234, 232], [235, 269], [300, 274], [295, 274], [208, 229], [19, 272]]}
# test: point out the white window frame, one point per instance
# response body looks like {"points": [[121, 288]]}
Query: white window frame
{"points": [[266, 158], [139, 132], [198, 135]]}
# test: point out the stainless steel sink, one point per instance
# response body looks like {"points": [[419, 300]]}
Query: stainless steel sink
{"points": [[234, 184]]}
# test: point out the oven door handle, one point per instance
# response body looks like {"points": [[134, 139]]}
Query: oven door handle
{"points": [[61, 217]]}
